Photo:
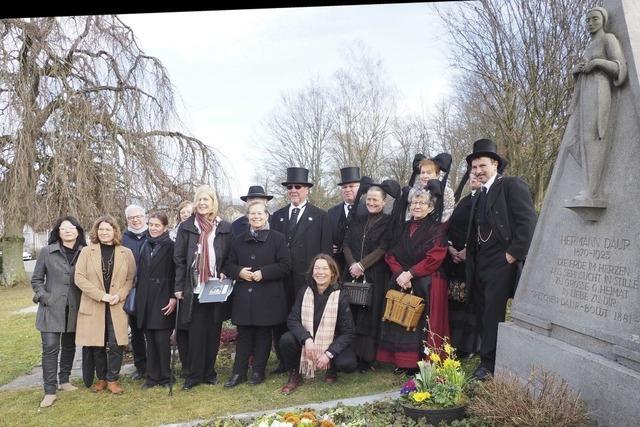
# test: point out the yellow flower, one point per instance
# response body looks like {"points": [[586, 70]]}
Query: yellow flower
{"points": [[448, 349], [451, 363], [421, 396], [434, 357]]}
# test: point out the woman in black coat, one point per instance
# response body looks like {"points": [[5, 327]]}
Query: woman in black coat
{"points": [[201, 249], [320, 327], [155, 300], [58, 300], [365, 244], [259, 260]]}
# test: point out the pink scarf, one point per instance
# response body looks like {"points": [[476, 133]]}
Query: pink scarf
{"points": [[206, 226]]}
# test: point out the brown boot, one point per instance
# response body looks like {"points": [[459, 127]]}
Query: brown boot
{"points": [[99, 386], [294, 381], [331, 376], [115, 387]]}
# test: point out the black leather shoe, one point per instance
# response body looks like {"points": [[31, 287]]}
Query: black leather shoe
{"points": [[137, 375], [279, 369], [212, 380], [235, 380], [256, 378], [189, 386], [147, 385], [482, 374]]}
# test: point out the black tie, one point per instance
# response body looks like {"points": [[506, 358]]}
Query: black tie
{"points": [[294, 218], [481, 206]]}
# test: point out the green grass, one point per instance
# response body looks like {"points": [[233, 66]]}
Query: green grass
{"points": [[152, 407], [19, 338], [20, 352]]}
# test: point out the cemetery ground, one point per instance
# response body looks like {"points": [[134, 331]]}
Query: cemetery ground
{"points": [[20, 344], [19, 405]]}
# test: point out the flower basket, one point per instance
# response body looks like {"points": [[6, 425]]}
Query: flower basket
{"points": [[435, 415]]}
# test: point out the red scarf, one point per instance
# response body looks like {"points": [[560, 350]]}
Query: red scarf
{"points": [[206, 226]]}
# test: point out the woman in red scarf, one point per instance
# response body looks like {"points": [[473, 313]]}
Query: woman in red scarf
{"points": [[201, 249]]}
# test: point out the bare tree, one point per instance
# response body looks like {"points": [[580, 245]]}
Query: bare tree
{"points": [[298, 133], [409, 136], [516, 58], [363, 111], [85, 119]]}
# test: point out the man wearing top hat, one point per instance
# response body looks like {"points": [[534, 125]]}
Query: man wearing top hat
{"points": [[256, 192], [500, 230], [308, 233], [339, 215]]}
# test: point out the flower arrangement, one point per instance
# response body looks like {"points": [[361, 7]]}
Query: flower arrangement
{"points": [[293, 419], [440, 382]]}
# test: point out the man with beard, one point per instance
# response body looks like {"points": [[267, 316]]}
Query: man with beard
{"points": [[499, 234]]}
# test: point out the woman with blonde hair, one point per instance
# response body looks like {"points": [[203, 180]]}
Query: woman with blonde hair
{"points": [[201, 249], [185, 210], [104, 273]]}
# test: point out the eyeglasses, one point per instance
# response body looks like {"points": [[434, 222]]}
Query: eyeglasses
{"points": [[297, 187], [131, 218], [419, 203]]}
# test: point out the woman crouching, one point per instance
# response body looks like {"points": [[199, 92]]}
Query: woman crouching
{"points": [[321, 328]]}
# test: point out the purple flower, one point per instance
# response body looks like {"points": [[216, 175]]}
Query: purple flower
{"points": [[408, 387]]}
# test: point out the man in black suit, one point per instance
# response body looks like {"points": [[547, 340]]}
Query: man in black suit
{"points": [[308, 233], [340, 214], [500, 230]]}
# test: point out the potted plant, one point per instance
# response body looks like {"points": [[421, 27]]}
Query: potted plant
{"points": [[437, 391]]}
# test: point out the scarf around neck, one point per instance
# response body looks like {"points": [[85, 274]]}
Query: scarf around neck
{"points": [[206, 227], [326, 329]]}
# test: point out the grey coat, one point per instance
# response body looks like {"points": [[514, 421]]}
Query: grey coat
{"points": [[54, 287]]}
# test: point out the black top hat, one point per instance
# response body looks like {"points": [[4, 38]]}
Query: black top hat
{"points": [[298, 176], [256, 191], [349, 174], [486, 148]]}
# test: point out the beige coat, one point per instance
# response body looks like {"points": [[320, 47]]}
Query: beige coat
{"points": [[91, 314]]}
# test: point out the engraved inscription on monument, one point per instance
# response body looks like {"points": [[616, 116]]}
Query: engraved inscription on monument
{"points": [[589, 276]]}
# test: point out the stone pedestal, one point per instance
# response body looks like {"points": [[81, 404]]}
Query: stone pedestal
{"points": [[577, 308]]}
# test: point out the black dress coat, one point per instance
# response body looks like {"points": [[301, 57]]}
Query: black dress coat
{"points": [[155, 286], [366, 241], [184, 254], [512, 217], [260, 303], [339, 225], [311, 236]]}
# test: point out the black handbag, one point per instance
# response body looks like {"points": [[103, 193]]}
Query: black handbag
{"points": [[130, 303], [360, 293]]}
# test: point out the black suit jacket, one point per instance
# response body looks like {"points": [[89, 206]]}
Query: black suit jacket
{"points": [[312, 236], [511, 215]]}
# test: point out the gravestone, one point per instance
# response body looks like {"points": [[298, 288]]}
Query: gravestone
{"points": [[576, 312]]}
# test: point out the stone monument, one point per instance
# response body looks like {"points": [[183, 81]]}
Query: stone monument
{"points": [[577, 308]]}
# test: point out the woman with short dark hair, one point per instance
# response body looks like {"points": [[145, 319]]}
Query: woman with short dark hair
{"points": [[104, 272], [155, 299], [58, 299]]}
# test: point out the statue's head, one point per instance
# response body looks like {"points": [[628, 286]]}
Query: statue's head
{"points": [[596, 19]]}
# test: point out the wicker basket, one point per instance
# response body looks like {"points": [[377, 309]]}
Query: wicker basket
{"points": [[403, 309], [359, 293]]}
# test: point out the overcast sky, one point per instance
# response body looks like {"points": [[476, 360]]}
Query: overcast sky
{"points": [[229, 68]]}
